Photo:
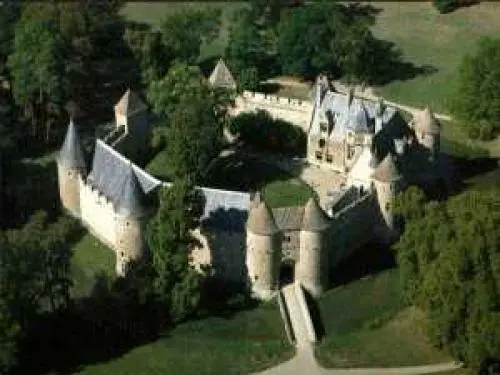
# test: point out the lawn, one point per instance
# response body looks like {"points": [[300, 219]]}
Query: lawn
{"points": [[246, 342], [90, 258], [365, 325], [429, 38]]}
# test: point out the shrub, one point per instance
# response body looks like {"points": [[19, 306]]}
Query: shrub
{"points": [[446, 6]]}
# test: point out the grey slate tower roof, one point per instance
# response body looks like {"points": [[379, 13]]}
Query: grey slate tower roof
{"points": [[132, 201], [221, 76], [261, 220], [315, 219], [387, 170], [71, 154], [129, 104], [428, 122]]}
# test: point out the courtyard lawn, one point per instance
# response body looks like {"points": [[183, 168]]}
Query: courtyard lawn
{"points": [[243, 173], [246, 342], [429, 38], [90, 258], [365, 326]]}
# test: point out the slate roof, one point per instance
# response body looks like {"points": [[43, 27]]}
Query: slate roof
{"points": [[315, 219], [227, 210], [111, 172], [288, 218], [387, 170], [359, 116], [71, 154], [221, 76], [261, 220], [132, 201], [129, 104]]}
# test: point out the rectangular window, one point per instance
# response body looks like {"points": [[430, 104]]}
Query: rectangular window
{"points": [[318, 155], [329, 158], [323, 126]]}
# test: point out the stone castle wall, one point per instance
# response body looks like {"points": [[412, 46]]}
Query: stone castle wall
{"points": [[98, 213], [295, 111]]}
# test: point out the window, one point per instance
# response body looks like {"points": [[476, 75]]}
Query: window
{"points": [[318, 155], [323, 126], [329, 158], [286, 238], [69, 174], [387, 206], [321, 143], [127, 223]]}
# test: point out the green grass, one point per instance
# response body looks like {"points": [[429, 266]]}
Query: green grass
{"points": [[365, 326], [429, 38], [246, 342], [90, 258]]}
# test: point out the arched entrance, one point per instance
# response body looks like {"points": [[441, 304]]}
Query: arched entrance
{"points": [[287, 272]]}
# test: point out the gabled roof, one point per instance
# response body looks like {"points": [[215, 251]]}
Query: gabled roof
{"points": [[428, 123], [110, 172], [221, 76], [387, 170], [132, 201], [261, 220], [71, 154], [129, 104], [315, 219]]}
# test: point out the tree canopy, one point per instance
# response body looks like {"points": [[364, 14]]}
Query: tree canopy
{"points": [[476, 102], [185, 30], [449, 257]]}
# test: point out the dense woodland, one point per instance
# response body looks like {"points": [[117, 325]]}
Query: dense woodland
{"points": [[75, 59]]}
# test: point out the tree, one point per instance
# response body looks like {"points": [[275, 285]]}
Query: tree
{"points": [[476, 102], [186, 30], [449, 258], [36, 69], [148, 49], [177, 285], [194, 139]]}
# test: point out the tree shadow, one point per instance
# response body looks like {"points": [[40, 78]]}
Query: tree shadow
{"points": [[369, 259], [390, 66]]}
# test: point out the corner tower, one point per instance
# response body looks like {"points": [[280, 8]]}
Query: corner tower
{"points": [[132, 212], [312, 268], [263, 250], [428, 132], [388, 183], [71, 168]]}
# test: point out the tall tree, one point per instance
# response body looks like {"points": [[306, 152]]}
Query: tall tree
{"points": [[36, 67], [476, 102], [177, 284], [186, 30], [449, 257]]}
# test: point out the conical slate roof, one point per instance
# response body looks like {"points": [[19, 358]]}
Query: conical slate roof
{"points": [[314, 219], [387, 170], [132, 201], [428, 122], [129, 104], [261, 220], [221, 76], [71, 154]]}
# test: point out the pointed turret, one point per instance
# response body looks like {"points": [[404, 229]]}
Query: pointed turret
{"points": [[71, 154], [387, 170], [133, 201], [314, 219], [261, 220], [428, 123], [221, 76], [129, 104]]}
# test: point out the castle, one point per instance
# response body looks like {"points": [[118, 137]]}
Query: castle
{"points": [[240, 236]]}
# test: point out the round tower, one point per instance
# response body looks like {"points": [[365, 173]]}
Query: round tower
{"points": [[71, 168], [428, 131], [312, 268], [388, 182], [132, 212], [263, 250]]}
